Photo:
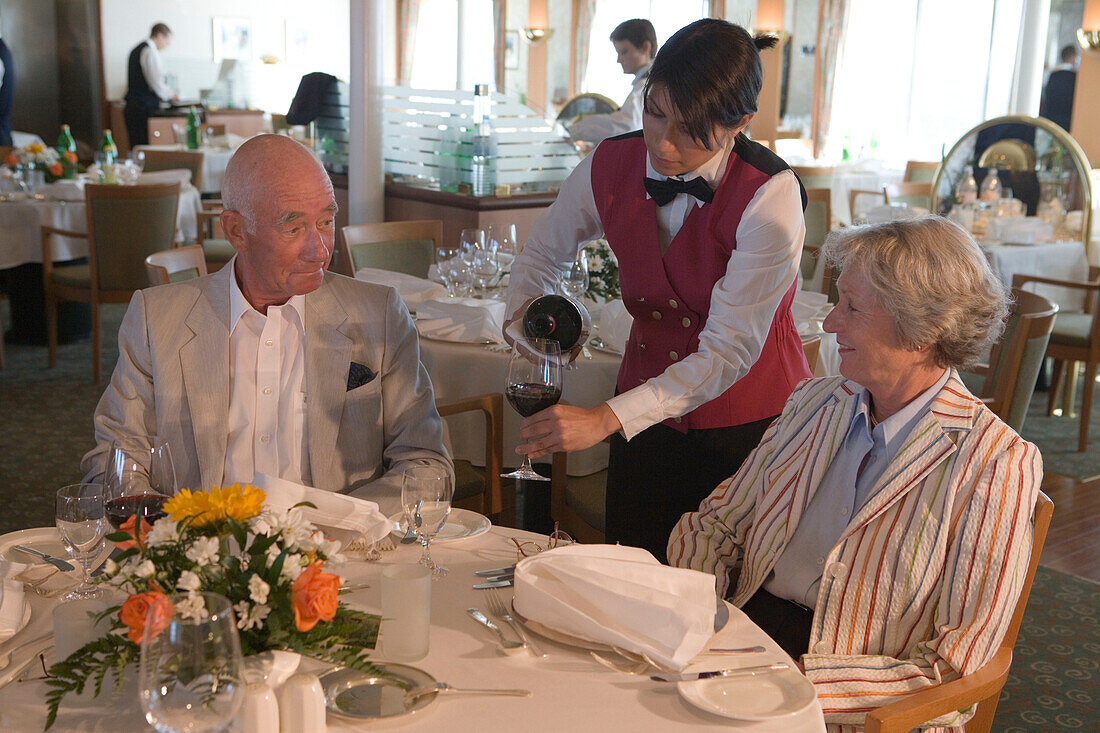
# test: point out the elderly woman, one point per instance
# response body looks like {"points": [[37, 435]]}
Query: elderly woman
{"points": [[881, 530]]}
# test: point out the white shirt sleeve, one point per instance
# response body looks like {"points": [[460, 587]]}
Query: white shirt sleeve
{"points": [[153, 71], [742, 306], [627, 118]]}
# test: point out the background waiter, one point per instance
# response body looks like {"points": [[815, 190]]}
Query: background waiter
{"points": [[145, 87], [707, 227]]}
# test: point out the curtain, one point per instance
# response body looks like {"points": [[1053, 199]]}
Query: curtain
{"points": [[831, 21], [499, 7], [407, 13], [583, 13]]}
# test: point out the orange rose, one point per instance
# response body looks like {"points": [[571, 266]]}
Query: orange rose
{"points": [[314, 597], [12, 160], [70, 156], [128, 527], [136, 610], [56, 170]]}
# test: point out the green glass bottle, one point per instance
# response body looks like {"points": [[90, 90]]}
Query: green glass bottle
{"points": [[66, 150], [107, 157], [193, 126]]}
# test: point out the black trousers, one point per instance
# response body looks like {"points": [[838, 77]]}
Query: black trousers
{"points": [[137, 124], [786, 622], [661, 473]]}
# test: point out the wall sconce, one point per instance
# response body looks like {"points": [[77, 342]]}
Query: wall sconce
{"points": [[536, 36], [1089, 40]]}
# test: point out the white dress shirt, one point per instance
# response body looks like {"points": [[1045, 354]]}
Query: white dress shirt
{"points": [[594, 128], [267, 399], [743, 302], [153, 70]]}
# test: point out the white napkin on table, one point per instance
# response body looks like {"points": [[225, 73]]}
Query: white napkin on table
{"points": [[413, 290], [166, 176], [614, 325], [620, 596], [348, 519], [465, 320]]}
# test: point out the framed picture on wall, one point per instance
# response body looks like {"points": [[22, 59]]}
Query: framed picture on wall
{"points": [[299, 38], [232, 38], [511, 50]]}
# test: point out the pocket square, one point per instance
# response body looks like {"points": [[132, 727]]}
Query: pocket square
{"points": [[358, 375]]}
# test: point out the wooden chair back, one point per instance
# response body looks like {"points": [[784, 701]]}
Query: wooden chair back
{"points": [[175, 265], [163, 160], [861, 200], [477, 489], [819, 217], [919, 171], [811, 347], [983, 686], [401, 246], [126, 224], [815, 176], [911, 194]]}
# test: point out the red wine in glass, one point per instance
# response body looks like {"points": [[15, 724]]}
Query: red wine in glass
{"points": [[150, 507], [534, 383], [528, 399]]}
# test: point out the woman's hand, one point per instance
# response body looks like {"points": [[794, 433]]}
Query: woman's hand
{"points": [[564, 428]]}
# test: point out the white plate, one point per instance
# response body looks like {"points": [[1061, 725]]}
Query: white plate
{"points": [[759, 697], [43, 539], [461, 523]]}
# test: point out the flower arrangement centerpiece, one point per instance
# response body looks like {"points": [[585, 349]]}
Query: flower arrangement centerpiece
{"points": [[603, 271], [37, 155], [270, 565]]}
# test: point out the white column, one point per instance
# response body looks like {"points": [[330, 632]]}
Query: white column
{"points": [[366, 182], [1029, 57], [461, 82]]}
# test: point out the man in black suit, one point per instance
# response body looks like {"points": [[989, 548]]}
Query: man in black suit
{"points": [[1057, 104], [7, 92], [145, 87]]}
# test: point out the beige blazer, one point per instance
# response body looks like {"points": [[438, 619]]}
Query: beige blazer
{"points": [[172, 381]]}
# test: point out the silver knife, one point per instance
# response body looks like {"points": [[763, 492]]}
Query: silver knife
{"points": [[506, 645], [494, 584], [55, 561], [739, 672], [496, 571]]}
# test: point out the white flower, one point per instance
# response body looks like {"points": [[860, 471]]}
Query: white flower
{"points": [[250, 617], [110, 567], [331, 550], [188, 581], [146, 569], [292, 567], [204, 551], [262, 523], [258, 589], [295, 530], [193, 607], [164, 532]]}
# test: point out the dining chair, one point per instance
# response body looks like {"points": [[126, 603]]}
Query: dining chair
{"points": [[400, 246], [861, 200], [1074, 338], [480, 489], [811, 347], [217, 250], [175, 265], [1016, 359], [819, 217], [164, 160], [815, 176], [212, 129], [125, 225], [919, 171], [982, 687], [577, 503], [910, 194]]}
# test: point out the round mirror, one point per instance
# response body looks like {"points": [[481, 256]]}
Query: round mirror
{"points": [[1036, 160]]}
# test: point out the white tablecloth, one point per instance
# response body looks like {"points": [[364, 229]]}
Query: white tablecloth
{"points": [[214, 161], [21, 238], [862, 175], [1061, 260], [570, 691]]}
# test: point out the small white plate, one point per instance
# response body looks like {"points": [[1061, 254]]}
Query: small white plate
{"points": [[461, 523], [759, 697], [43, 539]]}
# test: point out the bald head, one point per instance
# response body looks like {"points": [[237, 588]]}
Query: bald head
{"points": [[263, 163]]}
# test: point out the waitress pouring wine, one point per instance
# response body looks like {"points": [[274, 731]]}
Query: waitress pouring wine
{"points": [[707, 227]]}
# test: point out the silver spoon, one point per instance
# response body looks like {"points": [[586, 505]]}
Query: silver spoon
{"points": [[419, 692], [55, 561]]}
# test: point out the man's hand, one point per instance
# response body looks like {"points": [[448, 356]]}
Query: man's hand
{"points": [[564, 428]]}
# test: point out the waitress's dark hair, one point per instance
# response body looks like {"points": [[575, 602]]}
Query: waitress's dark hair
{"points": [[711, 69]]}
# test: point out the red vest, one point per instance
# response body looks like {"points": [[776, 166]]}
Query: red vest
{"points": [[669, 296]]}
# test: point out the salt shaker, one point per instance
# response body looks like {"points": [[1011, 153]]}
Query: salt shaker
{"points": [[302, 704], [260, 710]]}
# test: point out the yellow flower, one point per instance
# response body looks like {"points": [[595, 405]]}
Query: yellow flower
{"points": [[35, 148], [202, 508]]}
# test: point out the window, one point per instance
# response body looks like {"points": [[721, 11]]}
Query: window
{"points": [[435, 49], [603, 75]]}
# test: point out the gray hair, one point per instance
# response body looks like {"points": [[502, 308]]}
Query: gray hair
{"points": [[932, 279]]}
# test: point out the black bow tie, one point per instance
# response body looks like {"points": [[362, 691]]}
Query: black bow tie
{"points": [[663, 191]]}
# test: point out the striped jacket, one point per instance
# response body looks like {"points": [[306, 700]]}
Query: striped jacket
{"points": [[922, 584]]}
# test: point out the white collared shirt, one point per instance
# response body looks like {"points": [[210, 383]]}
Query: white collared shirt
{"points": [[266, 428], [153, 70], [743, 302], [594, 128]]}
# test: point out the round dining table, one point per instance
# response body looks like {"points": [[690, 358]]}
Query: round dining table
{"points": [[570, 691]]}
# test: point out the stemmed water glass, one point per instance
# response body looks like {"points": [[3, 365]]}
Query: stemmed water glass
{"points": [[138, 479], [534, 383], [81, 523], [426, 494], [191, 678], [453, 271]]}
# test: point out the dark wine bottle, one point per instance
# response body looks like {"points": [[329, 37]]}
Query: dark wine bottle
{"points": [[559, 318]]}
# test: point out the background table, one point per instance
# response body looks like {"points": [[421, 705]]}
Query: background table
{"points": [[214, 161], [1062, 260], [570, 691]]}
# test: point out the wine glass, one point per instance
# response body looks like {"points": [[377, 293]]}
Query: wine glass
{"points": [[80, 521], [469, 242], [138, 480], [534, 383], [486, 267], [426, 498], [190, 673], [575, 282]]}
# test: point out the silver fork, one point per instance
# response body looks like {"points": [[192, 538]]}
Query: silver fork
{"points": [[498, 609]]}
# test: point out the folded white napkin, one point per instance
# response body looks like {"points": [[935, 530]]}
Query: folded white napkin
{"points": [[614, 325], [66, 190], [806, 310], [348, 519], [465, 320], [166, 176], [620, 596], [12, 601], [413, 290]]}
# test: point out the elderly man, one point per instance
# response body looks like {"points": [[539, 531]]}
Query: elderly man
{"points": [[273, 365]]}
